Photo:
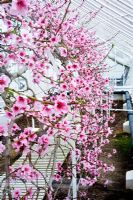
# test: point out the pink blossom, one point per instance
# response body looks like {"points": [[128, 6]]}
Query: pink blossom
{"points": [[17, 144], [22, 53], [1, 130], [16, 109], [63, 52], [2, 147], [20, 7], [59, 167], [21, 101], [24, 141], [61, 106], [75, 66], [64, 86], [47, 110], [16, 193], [11, 169], [4, 82], [15, 127], [50, 197], [31, 64], [43, 140], [34, 175], [30, 192], [32, 137], [57, 177], [20, 105], [9, 114], [54, 40], [83, 181], [26, 169]]}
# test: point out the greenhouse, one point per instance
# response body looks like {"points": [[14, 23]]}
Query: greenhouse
{"points": [[66, 99]]}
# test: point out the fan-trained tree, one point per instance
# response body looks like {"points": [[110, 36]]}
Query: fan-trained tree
{"points": [[45, 40]]}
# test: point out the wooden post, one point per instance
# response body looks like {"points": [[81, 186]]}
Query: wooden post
{"points": [[33, 122]]}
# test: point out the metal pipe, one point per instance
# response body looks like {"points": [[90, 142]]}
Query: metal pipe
{"points": [[130, 113], [129, 110], [121, 110], [74, 176]]}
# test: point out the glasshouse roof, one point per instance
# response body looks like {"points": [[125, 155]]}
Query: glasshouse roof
{"points": [[114, 21]]}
